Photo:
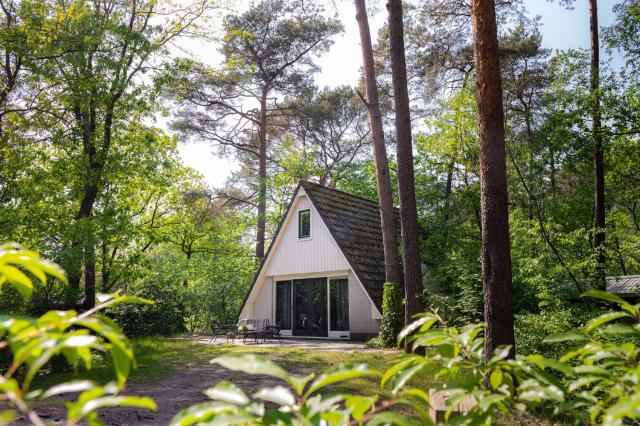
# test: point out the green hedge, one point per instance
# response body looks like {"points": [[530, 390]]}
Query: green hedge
{"points": [[392, 314]]}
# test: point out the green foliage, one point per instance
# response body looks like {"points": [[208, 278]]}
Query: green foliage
{"points": [[35, 342], [594, 383], [165, 317], [392, 314]]}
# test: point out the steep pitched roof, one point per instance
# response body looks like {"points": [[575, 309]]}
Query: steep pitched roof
{"points": [[626, 284], [354, 223]]}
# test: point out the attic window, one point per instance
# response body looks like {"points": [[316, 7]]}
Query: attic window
{"points": [[304, 224]]}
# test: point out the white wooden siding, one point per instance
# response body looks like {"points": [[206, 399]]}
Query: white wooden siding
{"points": [[360, 309], [263, 305], [320, 253]]}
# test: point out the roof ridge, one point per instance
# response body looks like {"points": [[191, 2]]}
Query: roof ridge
{"points": [[305, 182]]}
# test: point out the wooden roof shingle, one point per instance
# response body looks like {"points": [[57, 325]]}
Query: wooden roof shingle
{"points": [[626, 284], [354, 222]]}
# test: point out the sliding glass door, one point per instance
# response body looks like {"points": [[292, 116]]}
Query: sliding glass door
{"points": [[310, 307], [339, 304]]}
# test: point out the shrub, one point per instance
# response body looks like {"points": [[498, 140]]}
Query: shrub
{"points": [[392, 314], [164, 317], [531, 329], [374, 343]]}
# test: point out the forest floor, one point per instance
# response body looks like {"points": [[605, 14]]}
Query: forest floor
{"points": [[175, 372]]}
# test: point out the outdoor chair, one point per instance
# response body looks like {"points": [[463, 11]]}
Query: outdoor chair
{"points": [[273, 332], [255, 330], [218, 330]]}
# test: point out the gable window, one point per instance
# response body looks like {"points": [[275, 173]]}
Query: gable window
{"points": [[304, 224]]}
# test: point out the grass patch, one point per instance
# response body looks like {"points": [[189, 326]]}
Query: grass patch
{"points": [[159, 357]]}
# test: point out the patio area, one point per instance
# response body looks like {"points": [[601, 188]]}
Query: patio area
{"points": [[288, 343]]}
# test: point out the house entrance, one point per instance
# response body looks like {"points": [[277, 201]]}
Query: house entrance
{"points": [[310, 307]]}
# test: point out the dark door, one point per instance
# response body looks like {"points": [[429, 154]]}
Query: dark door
{"points": [[310, 307]]}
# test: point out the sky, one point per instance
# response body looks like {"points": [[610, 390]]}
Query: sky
{"points": [[561, 29]]}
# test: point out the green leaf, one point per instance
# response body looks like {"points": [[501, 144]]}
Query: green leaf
{"points": [[251, 364], [543, 363], [201, 412], [278, 395], [227, 392], [117, 401], [298, 383], [404, 376], [417, 393], [68, 387], [563, 337], [603, 295], [424, 322], [18, 279], [137, 299], [605, 318], [339, 374], [121, 363], [391, 418], [500, 353], [394, 369], [358, 405], [495, 378]]}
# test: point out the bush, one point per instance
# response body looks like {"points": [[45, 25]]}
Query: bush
{"points": [[374, 343], [392, 314], [532, 328], [165, 317]]}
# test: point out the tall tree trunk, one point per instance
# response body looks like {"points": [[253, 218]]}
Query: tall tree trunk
{"points": [[496, 257], [92, 172], [262, 176], [598, 156], [387, 214], [406, 183]]}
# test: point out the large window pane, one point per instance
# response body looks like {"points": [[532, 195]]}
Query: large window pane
{"points": [[339, 299], [283, 304]]}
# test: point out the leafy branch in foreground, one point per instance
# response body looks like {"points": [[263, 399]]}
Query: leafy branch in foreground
{"points": [[597, 383], [34, 342]]}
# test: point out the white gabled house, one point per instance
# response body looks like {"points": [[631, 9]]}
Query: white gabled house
{"points": [[323, 274]]}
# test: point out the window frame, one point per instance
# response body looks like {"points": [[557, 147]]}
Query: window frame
{"points": [[300, 237]]}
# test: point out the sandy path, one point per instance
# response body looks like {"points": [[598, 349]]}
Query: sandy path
{"points": [[184, 388], [171, 394]]}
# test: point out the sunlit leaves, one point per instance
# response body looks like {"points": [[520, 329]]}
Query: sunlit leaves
{"points": [[34, 343]]}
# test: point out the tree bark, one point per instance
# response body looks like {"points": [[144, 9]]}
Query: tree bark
{"points": [[262, 176], [496, 258], [387, 214], [598, 156], [406, 182]]}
